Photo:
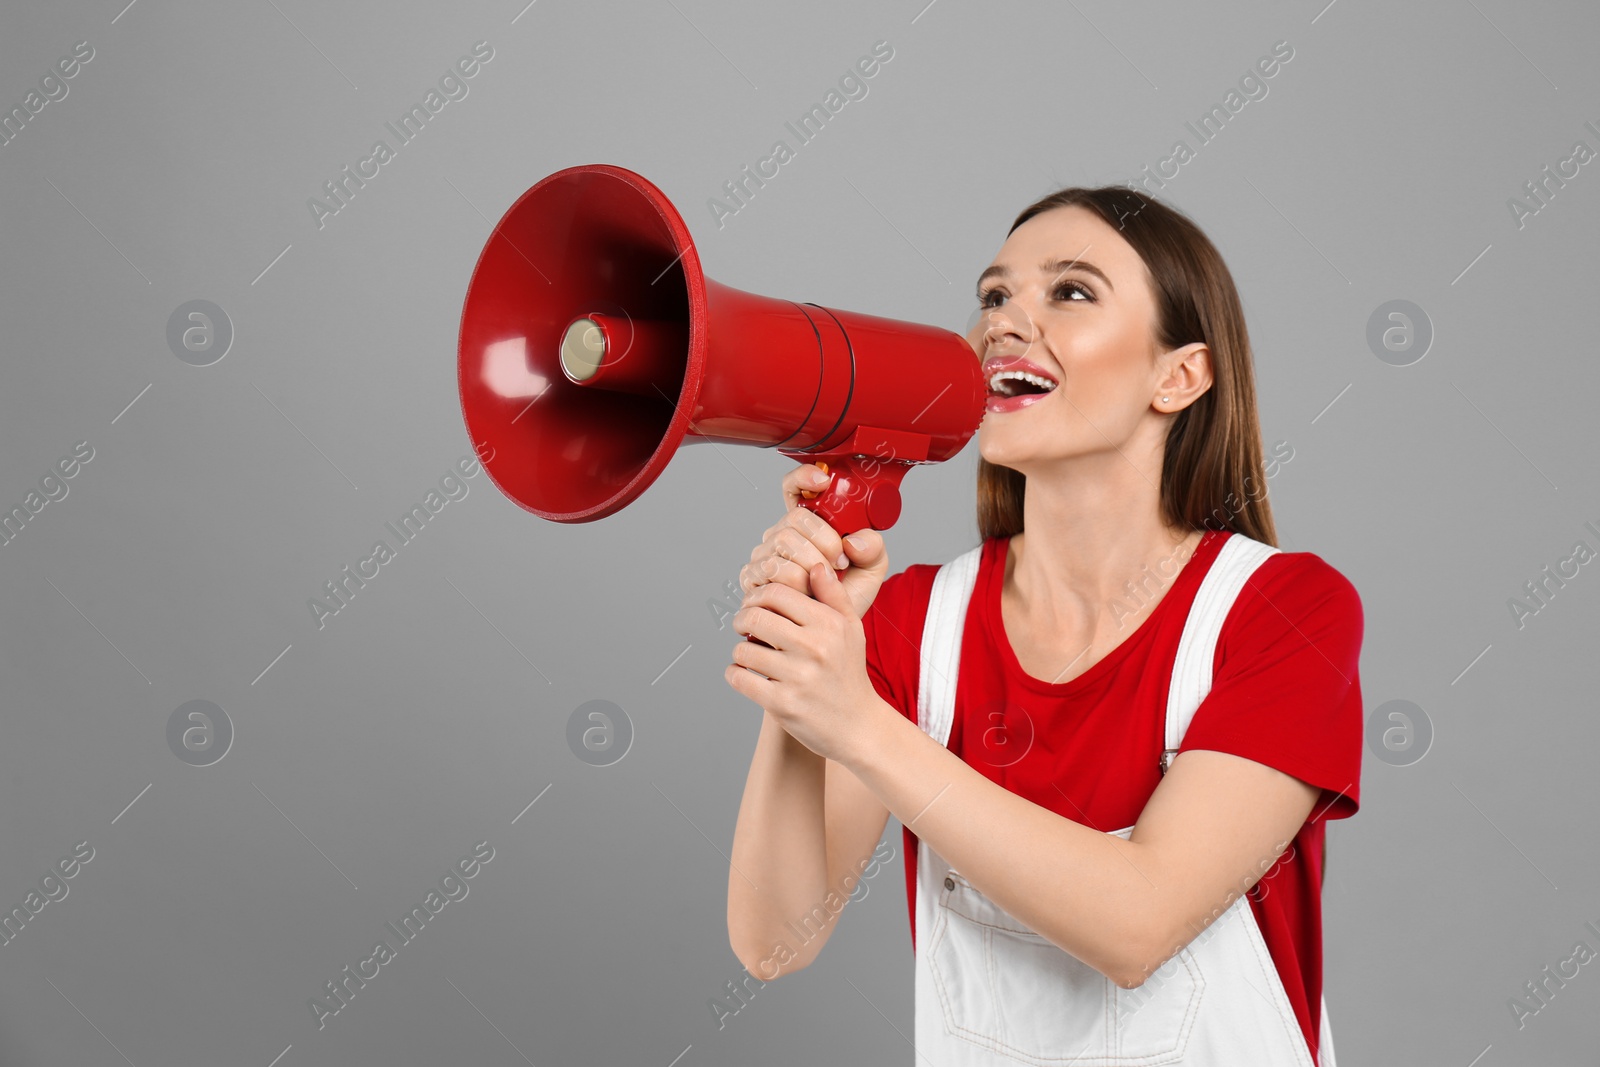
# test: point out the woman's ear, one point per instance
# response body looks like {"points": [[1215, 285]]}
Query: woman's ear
{"points": [[1188, 374]]}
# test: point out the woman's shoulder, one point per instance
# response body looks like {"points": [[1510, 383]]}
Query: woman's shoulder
{"points": [[1294, 585], [906, 589], [906, 592]]}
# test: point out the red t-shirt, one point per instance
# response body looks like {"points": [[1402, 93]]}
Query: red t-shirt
{"points": [[1285, 692]]}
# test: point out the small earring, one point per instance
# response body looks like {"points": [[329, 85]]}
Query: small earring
{"points": [[1163, 400]]}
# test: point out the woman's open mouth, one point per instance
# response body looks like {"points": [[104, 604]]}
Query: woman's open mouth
{"points": [[1015, 384]]}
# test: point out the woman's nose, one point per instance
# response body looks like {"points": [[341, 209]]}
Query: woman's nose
{"points": [[1007, 320]]}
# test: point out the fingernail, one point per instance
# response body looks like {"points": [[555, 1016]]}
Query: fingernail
{"points": [[855, 542], [843, 561]]}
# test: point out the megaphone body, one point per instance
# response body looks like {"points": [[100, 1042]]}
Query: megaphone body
{"points": [[592, 345]]}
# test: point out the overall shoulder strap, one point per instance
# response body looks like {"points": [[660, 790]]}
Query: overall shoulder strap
{"points": [[941, 643], [1191, 670]]}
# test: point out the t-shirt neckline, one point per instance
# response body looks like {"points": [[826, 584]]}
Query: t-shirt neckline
{"points": [[1180, 591]]}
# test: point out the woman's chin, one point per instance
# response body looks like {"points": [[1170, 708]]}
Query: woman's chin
{"points": [[992, 449]]}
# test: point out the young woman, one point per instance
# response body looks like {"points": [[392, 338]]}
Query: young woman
{"points": [[1112, 732]]}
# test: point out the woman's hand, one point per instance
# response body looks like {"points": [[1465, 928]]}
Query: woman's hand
{"points": [[811, 652], [802, 538], [813, 677]]}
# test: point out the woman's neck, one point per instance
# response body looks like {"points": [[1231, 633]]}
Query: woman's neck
{"points": [[1078, 551]]}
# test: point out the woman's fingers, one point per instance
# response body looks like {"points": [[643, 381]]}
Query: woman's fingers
{"points": [[808, 540], [795, 543], [776, 612], [828, 541], [790, 549], [767, 564], [869, 566], [868, 550], [758, 658], [807, 476]]}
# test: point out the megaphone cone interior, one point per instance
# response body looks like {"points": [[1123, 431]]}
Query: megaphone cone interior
{"points": [[592, 346]]}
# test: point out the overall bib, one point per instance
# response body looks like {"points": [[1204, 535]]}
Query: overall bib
{"points": [[990, 992]]}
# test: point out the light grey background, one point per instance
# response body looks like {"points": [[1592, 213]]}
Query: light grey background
{"points": [[371, 754]]}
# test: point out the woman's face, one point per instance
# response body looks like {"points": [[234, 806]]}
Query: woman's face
{"points": [[1069, 297]]}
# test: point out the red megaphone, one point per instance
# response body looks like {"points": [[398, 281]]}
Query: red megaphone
{"points": [[592, 345]]}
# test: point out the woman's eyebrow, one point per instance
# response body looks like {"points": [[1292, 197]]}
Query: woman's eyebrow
{"points": [[1052, 267]]}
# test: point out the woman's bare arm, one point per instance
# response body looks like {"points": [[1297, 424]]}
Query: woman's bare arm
{"points": [[1211, 828], [806, 824], [805, 829]]}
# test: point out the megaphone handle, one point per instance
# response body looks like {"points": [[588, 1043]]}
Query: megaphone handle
{"points": [[863, 492]]}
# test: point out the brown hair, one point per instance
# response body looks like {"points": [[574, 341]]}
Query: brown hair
{"points": [[1213, 447]]}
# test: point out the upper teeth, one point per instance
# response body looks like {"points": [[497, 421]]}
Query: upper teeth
{"points": [[1041, 382]]}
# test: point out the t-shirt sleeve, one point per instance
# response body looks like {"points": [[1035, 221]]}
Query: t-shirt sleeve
{"points": [[871, 624], [893, 627], [1286, 690]]}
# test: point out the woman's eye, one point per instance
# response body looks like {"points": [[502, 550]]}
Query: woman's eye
{"points": [[995, 297]]}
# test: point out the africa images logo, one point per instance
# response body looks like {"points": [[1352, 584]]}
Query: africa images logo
{"points": [[342, 988], [452, 86], [1538, 592]]}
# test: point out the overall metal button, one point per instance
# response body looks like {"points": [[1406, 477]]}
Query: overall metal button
{"points": [[949, 883]]}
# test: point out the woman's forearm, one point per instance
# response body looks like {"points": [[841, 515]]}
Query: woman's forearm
{"points": [[779, 855], [1057, 876]]}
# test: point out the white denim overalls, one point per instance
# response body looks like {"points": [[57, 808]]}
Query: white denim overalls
{"points": [[992, 992]]}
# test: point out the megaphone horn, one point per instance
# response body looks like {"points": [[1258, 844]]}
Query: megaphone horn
{"points": [[592, 345]]}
